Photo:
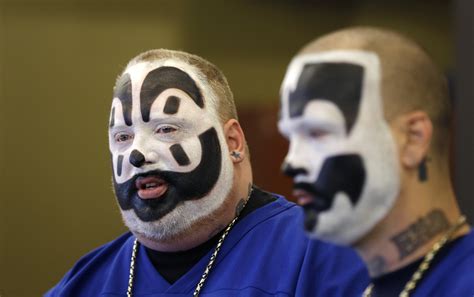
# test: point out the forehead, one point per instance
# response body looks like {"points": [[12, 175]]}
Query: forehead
{"points": [[142, 83], [338, 77]]}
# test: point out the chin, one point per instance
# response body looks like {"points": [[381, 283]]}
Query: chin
{"points": [[158, 230], [342, 224], [178, 221]]}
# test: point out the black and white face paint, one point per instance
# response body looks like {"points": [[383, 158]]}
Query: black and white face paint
{"points": [[171, 165], [342, 155]]}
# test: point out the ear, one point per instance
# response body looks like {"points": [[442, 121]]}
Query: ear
{"points": [[235, 139], [417, 131]]}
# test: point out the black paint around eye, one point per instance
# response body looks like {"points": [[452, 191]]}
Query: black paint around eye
{"points": [[182, 186], [340, 83], [123, 91], [171, 105], [179, 155], [119, 165], [163, 78]]}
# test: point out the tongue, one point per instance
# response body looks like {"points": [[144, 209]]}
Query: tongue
{"points": [[156, 190]]}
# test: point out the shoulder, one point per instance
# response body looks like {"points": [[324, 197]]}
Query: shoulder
{"points": [[93, 268], [453, 276], [322, 269]]}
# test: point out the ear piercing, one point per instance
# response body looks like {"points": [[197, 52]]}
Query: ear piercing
{"points": [[235, 154], [423, 170]]}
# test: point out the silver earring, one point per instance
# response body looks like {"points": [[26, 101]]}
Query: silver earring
{"points": [[235, 154]]}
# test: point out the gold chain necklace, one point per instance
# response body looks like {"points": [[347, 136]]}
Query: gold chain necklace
{"points": [[425, 264], [209, 264]]}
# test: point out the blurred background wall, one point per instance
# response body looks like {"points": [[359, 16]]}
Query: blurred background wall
{"points": [[58, 63]]}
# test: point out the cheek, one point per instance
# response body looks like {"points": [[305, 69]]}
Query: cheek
{"points": [[119, 166], [311, 155], [183, 156]]}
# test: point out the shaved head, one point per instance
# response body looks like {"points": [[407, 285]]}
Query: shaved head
{"points": [[410, 81], [345, 101]]}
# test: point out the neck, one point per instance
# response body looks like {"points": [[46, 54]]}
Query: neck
{"points": [[422, 214]]}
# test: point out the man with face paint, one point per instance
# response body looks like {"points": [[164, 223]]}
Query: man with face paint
{"points": [[183, 182], [367, 116]]}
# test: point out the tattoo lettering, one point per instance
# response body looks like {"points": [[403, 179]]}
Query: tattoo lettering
{"points": [[420, 232], [376, 265]]}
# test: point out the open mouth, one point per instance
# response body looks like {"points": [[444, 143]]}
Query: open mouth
{"points": [[310, 198], [303, 197], [150, 187]]}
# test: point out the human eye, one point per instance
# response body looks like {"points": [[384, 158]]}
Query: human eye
{"points": [[318, 133], [165, 129], [122, 137]]}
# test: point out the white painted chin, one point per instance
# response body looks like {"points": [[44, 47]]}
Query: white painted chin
{"points": [[187, 213], [345, 224]]}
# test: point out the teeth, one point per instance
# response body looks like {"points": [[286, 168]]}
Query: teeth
{"points": [[150, 185]]}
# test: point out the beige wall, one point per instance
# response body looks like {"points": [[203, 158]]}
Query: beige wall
{"points": [[3, 221], [58, 62]]}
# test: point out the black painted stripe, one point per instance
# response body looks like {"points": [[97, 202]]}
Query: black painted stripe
{"points": [[123, 91], [112, 118], [179, 155], [119, 165], [171, 105], [163, 78]]}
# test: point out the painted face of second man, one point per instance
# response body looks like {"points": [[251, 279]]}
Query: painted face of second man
{"points": [[170, 159], [342, 156]]}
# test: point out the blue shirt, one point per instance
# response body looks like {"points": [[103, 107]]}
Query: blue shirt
{"points": [[265, 254], [453, 274]]}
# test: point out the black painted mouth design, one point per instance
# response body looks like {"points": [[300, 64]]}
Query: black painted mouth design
{"points": [[308, 195], [313, 202], [339, 174], [180, 186]]}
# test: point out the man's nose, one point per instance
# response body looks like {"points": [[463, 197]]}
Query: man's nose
{"points": [[291, 171], [137, 159]]}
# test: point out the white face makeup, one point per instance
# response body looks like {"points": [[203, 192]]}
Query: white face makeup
{"points": [[342, 156], [171, 165]]}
